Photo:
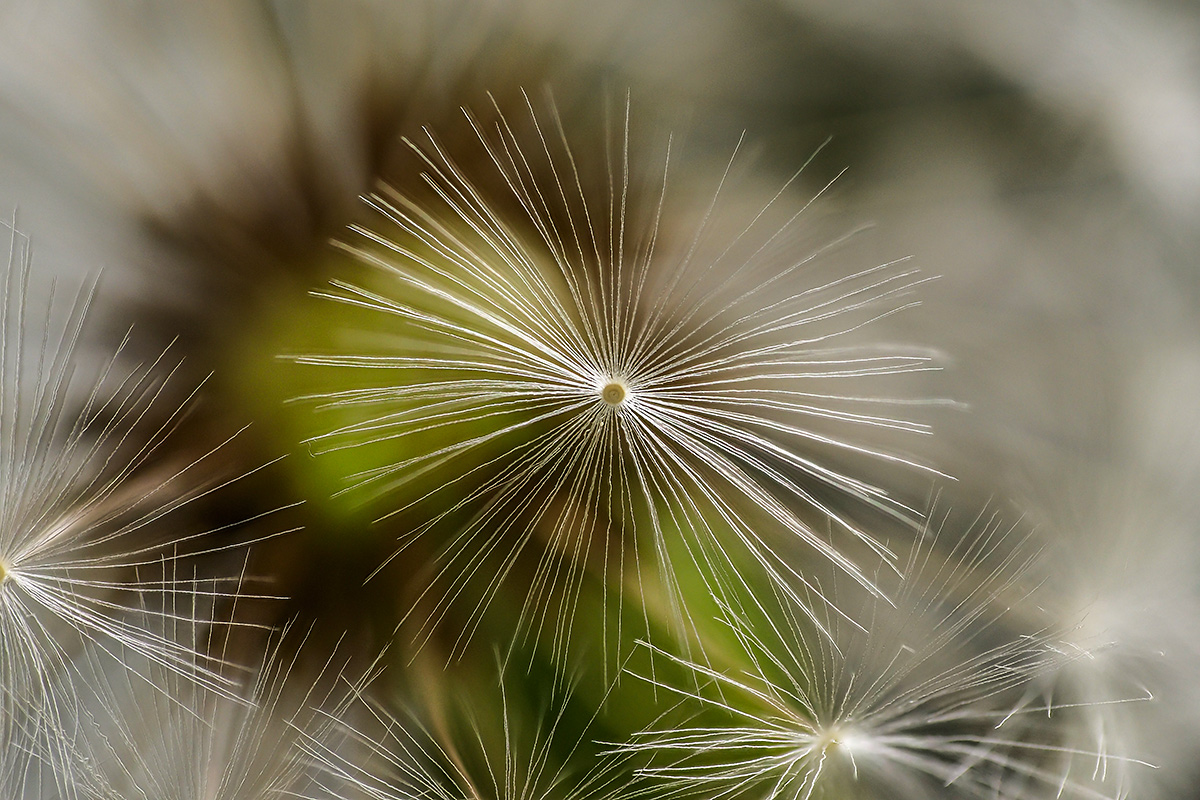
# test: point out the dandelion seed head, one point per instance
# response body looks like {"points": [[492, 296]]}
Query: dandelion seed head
{"points": [[571, 360], [96, 515], [921, 701], [1117, 576]]}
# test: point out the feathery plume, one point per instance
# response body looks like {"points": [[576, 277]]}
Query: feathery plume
{"points": [[919, 703], [93, 514], [565, 374], [1120, 552]]}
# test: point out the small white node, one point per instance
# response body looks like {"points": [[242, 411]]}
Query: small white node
{"points": [[614, 392]]}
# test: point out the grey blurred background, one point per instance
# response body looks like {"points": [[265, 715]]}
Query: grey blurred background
{"points": [[1041, 158]]}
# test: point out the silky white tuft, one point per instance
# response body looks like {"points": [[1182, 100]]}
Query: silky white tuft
{"points": [[565, 377], [94, 518], [919, 703]]}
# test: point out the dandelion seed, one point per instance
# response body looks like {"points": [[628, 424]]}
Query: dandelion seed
{"points": [[917, 705], [92, 515], [562, 368], [1118, 548]]}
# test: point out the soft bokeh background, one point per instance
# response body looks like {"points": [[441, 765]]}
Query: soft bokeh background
{"points": [[1041, 158]]}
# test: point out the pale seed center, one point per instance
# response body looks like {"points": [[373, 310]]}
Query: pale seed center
{"points": [[614, 393]]}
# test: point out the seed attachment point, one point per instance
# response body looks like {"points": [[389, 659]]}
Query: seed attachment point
{"points": [[614, 392]]}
